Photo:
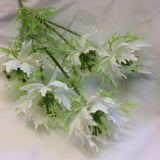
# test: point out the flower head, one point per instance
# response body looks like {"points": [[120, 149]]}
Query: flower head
{"points": [[101, 116], [24, 60], [123, 58], [82, 46], [57, 88], [38, 97]]}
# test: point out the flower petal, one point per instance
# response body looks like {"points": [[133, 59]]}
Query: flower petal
{"points": [[114, 117], [64, 100], [11, 65], [108, 100], [58, 84], [38, 115], [44, 90], [87, 49], [74, 57], [102, 52], [25, 49], [31, 87], [26, 68], [92, 144], [87, 117], [99, 107]]}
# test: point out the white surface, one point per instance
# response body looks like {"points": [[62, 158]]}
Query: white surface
{"points": [[18, 140]]}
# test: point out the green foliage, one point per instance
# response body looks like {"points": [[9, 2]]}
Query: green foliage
{"points": [[12, 49], [45, 13], [107, 94], [88, 61], [128, 37], [101, 128], [125, 105], [33, 24]]}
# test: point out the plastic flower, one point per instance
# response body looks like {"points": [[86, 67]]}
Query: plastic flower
{"points": [[82, 46], [59, 89], [115, 64], [33, 103], [46, 99], [24, 61], [80, 127], [110, 108], [124, 51], [33, 110], [111, 69], [101, 117]]}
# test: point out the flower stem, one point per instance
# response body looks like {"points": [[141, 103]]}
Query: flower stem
{"points": [[42, 77], [53, 23], [20, 3], [64, 28], [57, 63], [23, 21], [63, 71], [54, 30], [46, 22]]}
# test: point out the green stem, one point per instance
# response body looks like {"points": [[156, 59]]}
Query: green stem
{"points": [[20, 4], [56, 62], [48, 22], [23, 21], [50, 54], [59, 66], [64, 39], [64, 28], [42, 77], [63, 71]]}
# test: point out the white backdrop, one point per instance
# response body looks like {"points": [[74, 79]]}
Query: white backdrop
{"points": [[18, 140]]}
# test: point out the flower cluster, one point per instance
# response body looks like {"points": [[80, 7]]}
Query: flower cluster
{"points": [[113, 59], [51, 69]]}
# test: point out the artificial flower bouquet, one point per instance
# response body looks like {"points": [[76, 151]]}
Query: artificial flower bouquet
{"points": [[48, 64]]}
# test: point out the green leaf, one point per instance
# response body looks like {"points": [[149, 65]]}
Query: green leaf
{"points": [[128, 37]]}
